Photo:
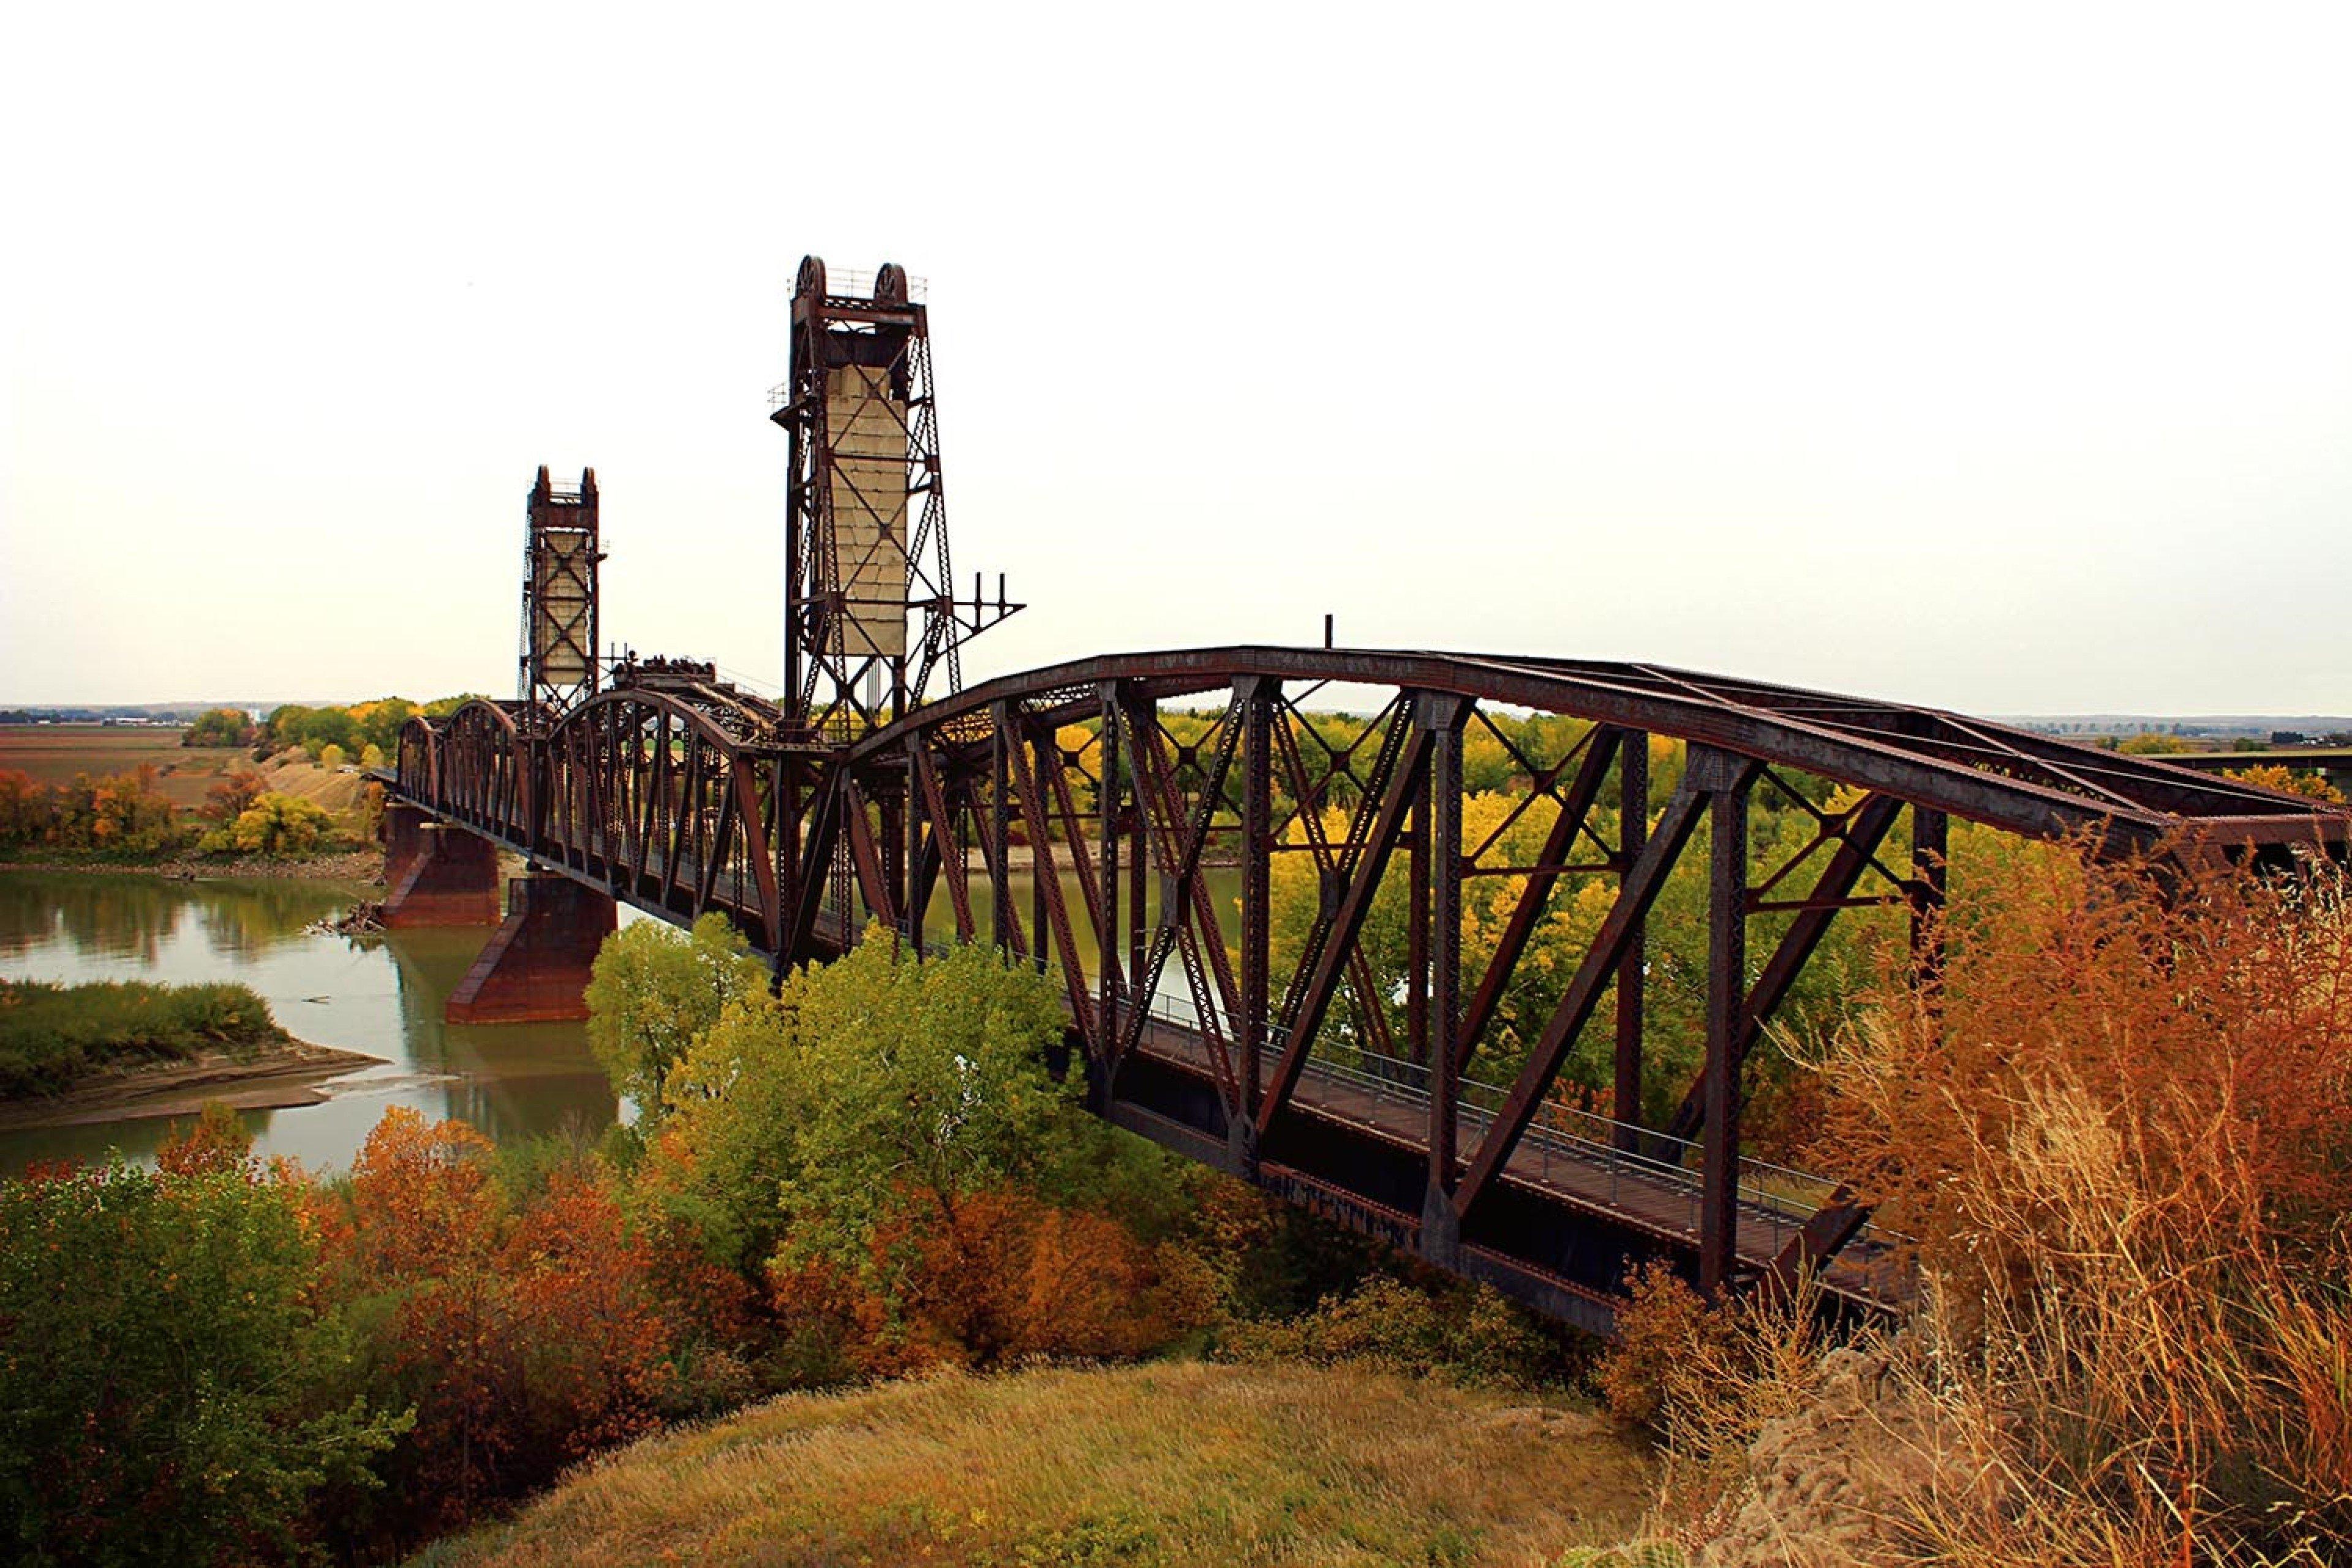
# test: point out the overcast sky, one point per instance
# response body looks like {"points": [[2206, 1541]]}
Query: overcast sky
{"points": [[1998, 358]]}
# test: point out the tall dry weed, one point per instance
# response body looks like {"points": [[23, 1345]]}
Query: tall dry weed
{"points": [[2120, 1129]]}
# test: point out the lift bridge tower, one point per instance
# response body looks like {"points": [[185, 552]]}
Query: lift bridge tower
{"points": [[872, 624], [561, 556]]}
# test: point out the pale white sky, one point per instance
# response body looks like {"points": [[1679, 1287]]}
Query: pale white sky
{"points": [[1998, 357]]}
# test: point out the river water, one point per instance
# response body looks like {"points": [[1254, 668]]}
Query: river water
{"points": [[381, 996]]}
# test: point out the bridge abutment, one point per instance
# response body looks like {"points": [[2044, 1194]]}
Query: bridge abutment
{"points": [[439, 875], [404, 840], [536, 966]]}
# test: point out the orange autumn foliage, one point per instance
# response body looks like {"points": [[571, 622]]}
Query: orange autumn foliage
{"points": [[1007, 1278], [2213, 1020], [215, 1142], [525, 1336], [422, 1199]]}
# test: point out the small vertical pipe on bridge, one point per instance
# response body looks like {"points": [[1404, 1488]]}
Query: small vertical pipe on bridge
{"points": [[1327, 631], [1253, 695], [1633, 836], [1107, 796], [1727, 999], [1930, 837], [1441, 849]]}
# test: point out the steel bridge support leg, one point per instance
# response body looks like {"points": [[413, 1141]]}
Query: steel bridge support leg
{"points": [[1727, 781], [1415, 842], [916, 895], [1440, 850], [1930, 839], [896, 862], [1633, 836], [1110, 998], [784, 838], [999, 826], [1043, 897], [1140, 719], [1256, 697]]}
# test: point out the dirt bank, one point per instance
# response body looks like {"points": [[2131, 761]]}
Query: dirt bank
{"points": [[273, 1079], [342, 866]]}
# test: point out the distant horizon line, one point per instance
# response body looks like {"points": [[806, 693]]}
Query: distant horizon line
{"points": [[2084, 716]]}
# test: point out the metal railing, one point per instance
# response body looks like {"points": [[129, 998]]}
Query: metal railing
{"points": [[1657, 1180], [851, 282]]}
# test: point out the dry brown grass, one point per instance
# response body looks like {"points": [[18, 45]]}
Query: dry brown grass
{"points": [[1167, 1465], [2119, 1130], [291, 771]]}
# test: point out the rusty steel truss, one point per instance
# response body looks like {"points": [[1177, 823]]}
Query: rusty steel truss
{"points": [[1077, 815]]}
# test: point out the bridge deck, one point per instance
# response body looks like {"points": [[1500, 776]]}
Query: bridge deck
{"points": [[1578, 1172]]}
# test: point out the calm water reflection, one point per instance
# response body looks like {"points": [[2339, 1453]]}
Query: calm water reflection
{"points": [[382, 996]]}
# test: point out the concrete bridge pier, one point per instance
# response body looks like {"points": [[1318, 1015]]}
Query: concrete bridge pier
{"points": [[436, 874], [537, 964]]}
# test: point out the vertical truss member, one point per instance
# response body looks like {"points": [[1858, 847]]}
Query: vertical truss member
{"points": [[867, 541]]}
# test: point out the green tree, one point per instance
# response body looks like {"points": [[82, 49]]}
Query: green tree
{"points": [[654, 989], [158, 1336], [274, 824], [923, 1082], [2314, 786], [219, 727], [869, 1087], [378, 723]]}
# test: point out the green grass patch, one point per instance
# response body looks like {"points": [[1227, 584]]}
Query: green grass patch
{"points": [[53, 1036]]}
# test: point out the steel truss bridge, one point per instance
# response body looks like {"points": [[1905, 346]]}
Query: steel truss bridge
{"points": [[1074, 815]]}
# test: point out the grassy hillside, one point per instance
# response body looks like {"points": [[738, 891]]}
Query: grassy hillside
{"points": [[289, 771], [1159, 1465]]}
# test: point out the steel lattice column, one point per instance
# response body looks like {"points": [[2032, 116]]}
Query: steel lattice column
{"points": [[1727, 780], [1441, 850]]}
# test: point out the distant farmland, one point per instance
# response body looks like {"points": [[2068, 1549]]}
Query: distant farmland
{"points": [[54, 753]]}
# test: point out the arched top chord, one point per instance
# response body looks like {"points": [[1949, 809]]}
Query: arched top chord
{"points": [[1985, 772]]}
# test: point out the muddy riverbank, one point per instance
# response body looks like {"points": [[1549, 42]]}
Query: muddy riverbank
{"points": [[273, 1077]]}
